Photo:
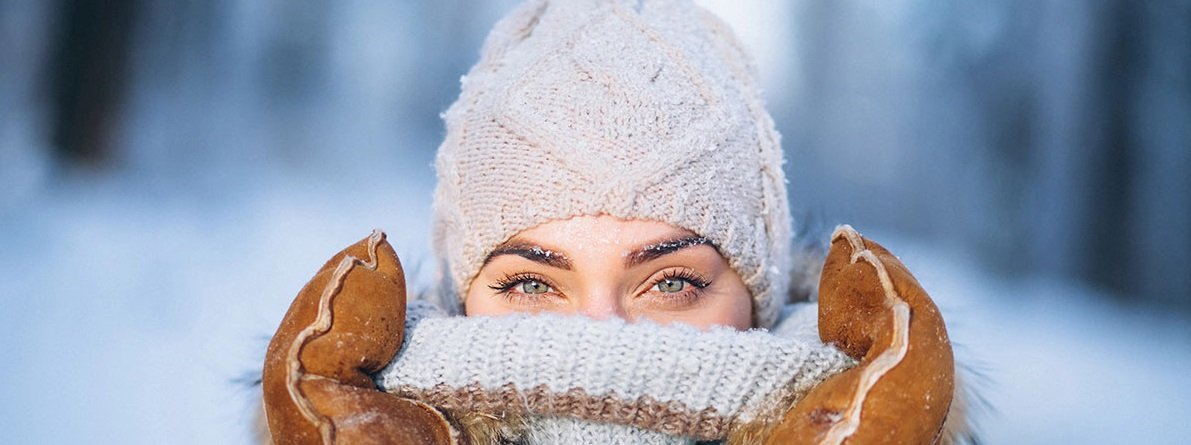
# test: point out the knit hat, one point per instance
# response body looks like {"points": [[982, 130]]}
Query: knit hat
{"points": [[634, 109]]}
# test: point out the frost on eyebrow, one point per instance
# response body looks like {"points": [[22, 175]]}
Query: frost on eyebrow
{"points": [[531, 252], [676, 244], [653, 251]]}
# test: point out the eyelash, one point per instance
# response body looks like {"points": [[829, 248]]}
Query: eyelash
{"points": [[504, 288], [685, 296], [687, 275], [506, 283]]}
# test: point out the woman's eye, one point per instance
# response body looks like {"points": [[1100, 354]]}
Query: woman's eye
{"points": [[534, 287], [671, 285]]}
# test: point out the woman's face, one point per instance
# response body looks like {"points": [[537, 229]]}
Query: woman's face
{"points": [[602, 267]]}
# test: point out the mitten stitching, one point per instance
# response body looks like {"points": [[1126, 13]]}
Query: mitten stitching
{"points": [[887, 359], [318, 327]]}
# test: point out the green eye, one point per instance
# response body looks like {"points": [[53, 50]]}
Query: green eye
{"points": [[671, 285], [534, 287]]}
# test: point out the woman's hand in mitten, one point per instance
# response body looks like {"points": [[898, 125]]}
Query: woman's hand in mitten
{"points": [[344, 325], [872, 308]]}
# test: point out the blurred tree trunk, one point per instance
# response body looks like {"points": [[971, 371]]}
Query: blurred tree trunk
{"points": [[1159, 209], [1052, 139], [88, 76]]}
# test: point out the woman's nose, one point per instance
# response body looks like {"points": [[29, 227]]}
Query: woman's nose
{"points": [[602, 306]]}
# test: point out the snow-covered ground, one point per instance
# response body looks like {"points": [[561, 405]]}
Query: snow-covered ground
{"points": [[134, 309]]}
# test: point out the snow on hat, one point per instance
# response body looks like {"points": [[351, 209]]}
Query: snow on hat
{"points": [[634, 109]]}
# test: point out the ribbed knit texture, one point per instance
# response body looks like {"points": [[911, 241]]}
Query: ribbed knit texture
{"points": [[550, 430], [634, 109], [670, 379]]}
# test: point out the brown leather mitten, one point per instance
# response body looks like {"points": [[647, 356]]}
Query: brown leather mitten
{"points": [[875, 311], [345, 324]]}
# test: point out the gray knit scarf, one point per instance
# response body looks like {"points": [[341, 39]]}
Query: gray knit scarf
{"points": [[578, 380]]}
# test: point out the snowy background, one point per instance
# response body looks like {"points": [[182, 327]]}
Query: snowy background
{"points": [[172, 173]]}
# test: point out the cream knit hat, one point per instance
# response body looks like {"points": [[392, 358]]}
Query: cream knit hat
{"points": [[634, 109]]}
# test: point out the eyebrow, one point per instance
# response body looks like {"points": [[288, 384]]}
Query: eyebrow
{"points": [[531, 252], [659, 249]]}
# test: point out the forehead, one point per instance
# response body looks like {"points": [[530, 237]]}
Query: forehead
{"points": [[599, 233]]}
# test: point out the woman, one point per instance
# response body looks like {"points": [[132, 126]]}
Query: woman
{"points": [[610, 159]]}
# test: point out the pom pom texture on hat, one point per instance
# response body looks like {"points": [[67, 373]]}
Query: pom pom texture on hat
{"points": [[638, 110]]}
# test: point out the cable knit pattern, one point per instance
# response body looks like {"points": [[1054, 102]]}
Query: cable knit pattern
{"points": [[636, 109], [670, 379]]}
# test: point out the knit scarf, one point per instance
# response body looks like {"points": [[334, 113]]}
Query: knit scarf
{"points": [[578, 380]]}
